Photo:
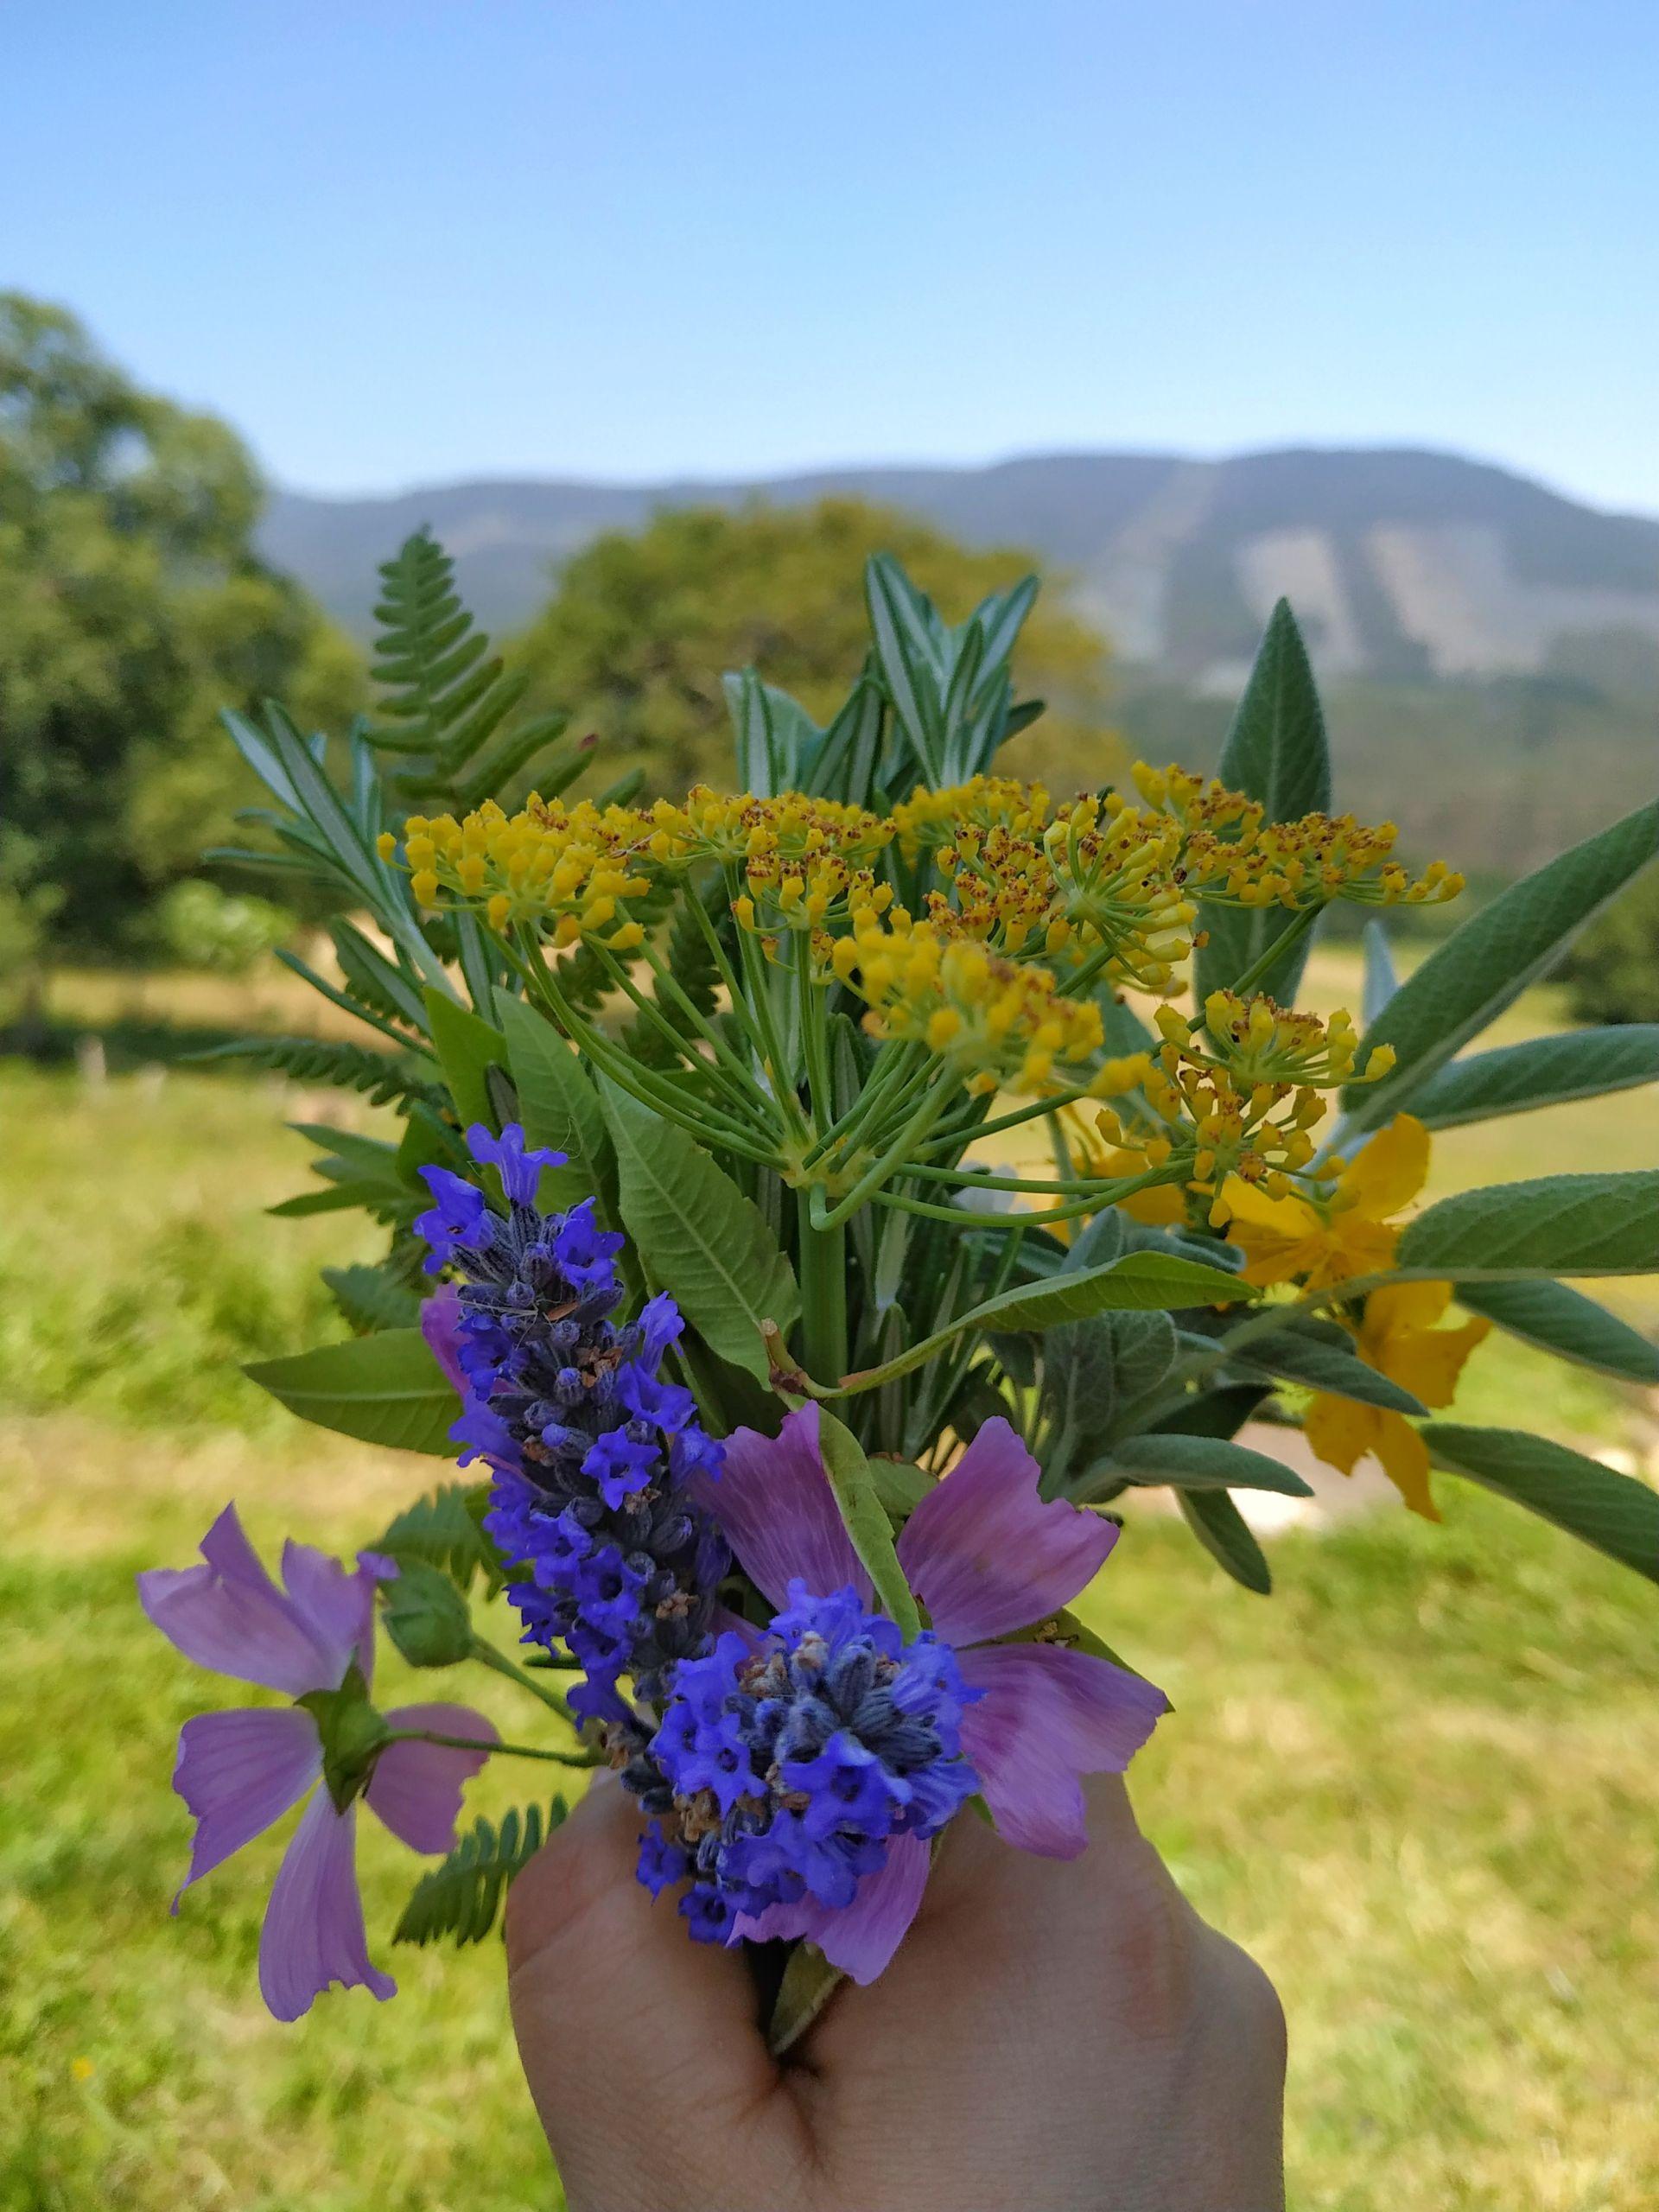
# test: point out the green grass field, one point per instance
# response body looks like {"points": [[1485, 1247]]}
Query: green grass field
{"points": [[1417, 1781]]}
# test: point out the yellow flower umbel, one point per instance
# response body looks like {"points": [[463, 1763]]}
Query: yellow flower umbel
{"points": [[548, 863], [1398, 1335], [994, 1024], [1118, 890], [1326, 1238]]}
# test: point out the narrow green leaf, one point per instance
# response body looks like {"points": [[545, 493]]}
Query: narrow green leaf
{"points": [[1613, 1512], [387, 1389], [1275, 751], [701, 1238], [866, 1519], [1215, 1413], [466, 1047], [809, 1981], [557, 1105], [1145, 1281], [1557, 1318], [1192, 1462], [1321, 1362], [1554, 1225], [1539, 1072], [1381, 982], [1468, 980], [1221, 1528]]}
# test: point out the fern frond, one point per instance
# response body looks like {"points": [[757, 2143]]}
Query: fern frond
{"points": [[445, 1529], [459, 1898], [375, 980], [380, 1077], [372, 1298], [447, 697]]}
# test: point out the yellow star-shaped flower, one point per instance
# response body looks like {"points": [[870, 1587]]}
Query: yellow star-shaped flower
{"points": [[1400, 1338], [1291, 1239]]}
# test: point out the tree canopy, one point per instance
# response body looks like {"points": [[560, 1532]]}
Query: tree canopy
{"points": [[133, 608], [642, 625]]}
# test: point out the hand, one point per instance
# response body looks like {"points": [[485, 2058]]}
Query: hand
{"points": [[1052, 2037]]}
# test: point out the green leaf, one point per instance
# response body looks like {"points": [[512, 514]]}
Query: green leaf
{"points": [[1193, 1463], [1215, 1413], [445, 1531], [466, 1048], [427, 1617], [386, 1389], [809, 1981], [1539, 1072], [1469, 979], [1554, 1225], [1144, 1280], [1275, 751], [1321, 1362], [866, 1519], [558, 1106], [707, 1245], [1381, 982], [379, 1076], [459, 1898], [1560, 1320], [1221, 1528], [1615, 1513], [370, 1299]]}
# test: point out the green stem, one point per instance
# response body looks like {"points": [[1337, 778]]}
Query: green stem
{"points": [[510, 1750], [824, 1294], [1259, 970], [897, 1153], [488, 1655]]}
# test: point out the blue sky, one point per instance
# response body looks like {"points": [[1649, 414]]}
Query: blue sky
{"points": [[637, 237]]}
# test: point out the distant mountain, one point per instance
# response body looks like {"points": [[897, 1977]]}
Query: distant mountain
{"points": [[1399, 562]]}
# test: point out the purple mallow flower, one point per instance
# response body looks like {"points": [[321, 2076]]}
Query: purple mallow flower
{"points": [[799, 1774], [593, 1452], [240, 1770]]}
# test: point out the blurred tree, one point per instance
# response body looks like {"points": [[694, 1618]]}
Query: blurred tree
{"points": [[132, 607], [642, 626], [1612, 972]]}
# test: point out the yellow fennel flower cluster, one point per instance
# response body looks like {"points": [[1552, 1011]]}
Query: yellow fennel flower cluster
{"points": [[1260, 1042], [568, 865], [994, 1024], [927, 820], [799, 858], [1119, 887]]}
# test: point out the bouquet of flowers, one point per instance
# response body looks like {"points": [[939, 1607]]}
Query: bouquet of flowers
{"points": [[813, 1209]]}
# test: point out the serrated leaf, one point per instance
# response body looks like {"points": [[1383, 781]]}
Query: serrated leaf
{"points": [[1539, 1072], [466, 1047], [1221, 1528], [1553, 1225], [370, 1299], [1275, 751], [708, 1246], [865, 1519], [461, 1897], [558, 1106], [1613, 1512], [1468, 980], [386, 1389], [445, 1531], [1321, 1362], [1560, 1320], [1137, 1280], [1162, 1460]]}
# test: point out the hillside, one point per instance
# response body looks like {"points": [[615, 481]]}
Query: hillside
{"points": [[1401, 563]]}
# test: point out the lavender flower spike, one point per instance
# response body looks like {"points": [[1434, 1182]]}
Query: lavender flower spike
{"points": [[802, 1772], [240, 1770]]}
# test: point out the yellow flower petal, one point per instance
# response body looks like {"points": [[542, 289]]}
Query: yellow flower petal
{"points": [[1429, 1361], [1388, 1172], [1341, 1432], [1401, 1310], [1405, 1461]]}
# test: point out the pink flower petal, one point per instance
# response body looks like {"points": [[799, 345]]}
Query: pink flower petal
{"points": [[861, 1937], [314, 1933], [773, 1501], [337, 1606], [985, 1554], [1049, 1715], [440, 1327], [416, 1788], [229, 1615], [237, 1772]]}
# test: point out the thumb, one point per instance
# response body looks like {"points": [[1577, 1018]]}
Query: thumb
{"points": [[641, 2048]]}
